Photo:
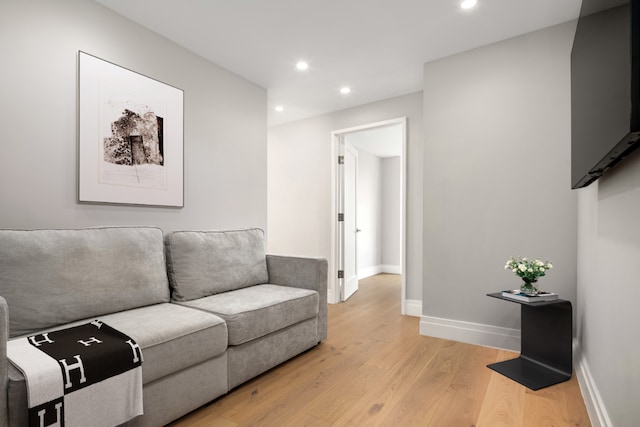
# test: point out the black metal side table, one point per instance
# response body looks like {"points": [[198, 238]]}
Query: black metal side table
{"points": [[545, 344]]}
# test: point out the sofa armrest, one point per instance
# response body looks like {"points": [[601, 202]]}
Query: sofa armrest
{"points": [[4, 363], [307, 273]]}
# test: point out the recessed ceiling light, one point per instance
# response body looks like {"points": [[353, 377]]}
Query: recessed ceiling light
{"points": [[345, 90], [302, 66], [468, 4], [279, 108]]}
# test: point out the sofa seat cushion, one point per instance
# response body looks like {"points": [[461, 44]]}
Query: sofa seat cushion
{"points": [[259, 310], [203, 263], [171, 337]]}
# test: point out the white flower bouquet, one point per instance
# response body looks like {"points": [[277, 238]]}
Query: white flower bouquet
{"points": [[528, 270]]}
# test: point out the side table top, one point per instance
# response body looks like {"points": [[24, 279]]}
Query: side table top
{"points": [[533, 304]]}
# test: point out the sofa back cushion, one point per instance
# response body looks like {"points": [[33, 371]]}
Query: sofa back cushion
{"points": [[52, 277], [203, 263]]}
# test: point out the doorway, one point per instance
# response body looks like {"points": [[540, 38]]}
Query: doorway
{"points": [[347, 236]]}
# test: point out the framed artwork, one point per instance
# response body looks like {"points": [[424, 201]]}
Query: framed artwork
{"points": [[131, 137]]}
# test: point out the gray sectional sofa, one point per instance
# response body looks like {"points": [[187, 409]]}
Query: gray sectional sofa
{"points": [[209, 309]]}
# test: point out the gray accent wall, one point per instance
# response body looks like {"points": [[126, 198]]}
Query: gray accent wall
{"points": [[497, 130], [608, 293], [224, 122], [299, 158]]}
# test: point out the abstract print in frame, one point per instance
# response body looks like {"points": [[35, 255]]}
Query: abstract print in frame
{"points": [[130, 145]]}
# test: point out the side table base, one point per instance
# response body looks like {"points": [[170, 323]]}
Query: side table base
{"points": [[530, 374]]}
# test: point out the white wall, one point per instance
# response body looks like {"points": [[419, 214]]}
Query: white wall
{"points": [[391, 199], [224, 122], [497, 123], [608, 294], [299, 183], [369, 213]]}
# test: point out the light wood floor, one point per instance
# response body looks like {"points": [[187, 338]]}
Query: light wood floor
{"points": [[375, 369]]}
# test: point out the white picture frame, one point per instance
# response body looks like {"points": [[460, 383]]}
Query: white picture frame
{"points": [[131, 137]]}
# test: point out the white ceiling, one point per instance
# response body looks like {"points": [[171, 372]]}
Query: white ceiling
{"points": [[377, 47]]}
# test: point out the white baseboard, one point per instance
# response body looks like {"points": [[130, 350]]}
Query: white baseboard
{"points": [[365, 272], [413, 307], [592, 400], [472, 333], [391, 269]]}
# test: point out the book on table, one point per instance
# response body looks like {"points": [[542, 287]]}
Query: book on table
{"points": [[519, 296]]}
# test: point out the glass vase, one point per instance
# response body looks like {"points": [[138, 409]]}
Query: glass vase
{"points": [[529, 288]]}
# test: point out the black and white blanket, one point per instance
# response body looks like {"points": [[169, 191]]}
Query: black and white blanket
{"points": [[87, 375]]}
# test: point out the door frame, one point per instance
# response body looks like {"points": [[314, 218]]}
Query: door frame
{"points": [[335, 284]]}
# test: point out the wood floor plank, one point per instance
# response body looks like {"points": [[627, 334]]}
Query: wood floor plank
{"points": [[391, 389], [346, 393], [463, 400], [390, 355], [555, 406], [375, 369], [503, 404], [203, 418], [540, 411], [309, 384], [306, 420], [424, 398], [455, 411], [472, 380]]}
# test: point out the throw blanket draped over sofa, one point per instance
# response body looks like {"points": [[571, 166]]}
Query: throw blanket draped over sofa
{"points": [[209, 309], [87, 375]]}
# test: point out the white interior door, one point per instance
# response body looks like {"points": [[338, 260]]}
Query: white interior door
{"points": [[350, 225]]}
